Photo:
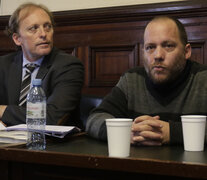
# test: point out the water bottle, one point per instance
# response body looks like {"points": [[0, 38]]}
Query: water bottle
{"points": [[36, 116]]}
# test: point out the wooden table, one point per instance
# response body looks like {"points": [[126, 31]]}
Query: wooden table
{"points": [[82, 157]]}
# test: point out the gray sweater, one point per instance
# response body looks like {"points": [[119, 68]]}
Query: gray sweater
{"points": [[136, 95]]}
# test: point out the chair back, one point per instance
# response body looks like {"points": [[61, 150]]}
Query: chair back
{"points": [[87, 103]]}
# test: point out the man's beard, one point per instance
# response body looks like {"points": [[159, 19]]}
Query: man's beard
{"points": [[169, 74]]}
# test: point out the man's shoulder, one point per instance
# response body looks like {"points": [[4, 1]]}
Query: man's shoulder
{"points": [[9, 56], [59, 61], [8, 59], [136, 71], [198, 66], [62, 55], [199, 72], [133, 76]]}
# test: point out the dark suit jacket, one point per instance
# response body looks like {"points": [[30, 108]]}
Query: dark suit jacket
{"points": [[62, 79]]}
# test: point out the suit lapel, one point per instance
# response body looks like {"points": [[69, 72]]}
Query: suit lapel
{"points": [[42, 70], [46, 64], [15, 74], [15, 79]]}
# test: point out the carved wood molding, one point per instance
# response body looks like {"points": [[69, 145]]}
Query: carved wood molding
{"points": [[131, 13], [179, 9], [109, 40]]}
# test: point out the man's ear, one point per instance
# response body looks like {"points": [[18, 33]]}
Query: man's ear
{"points": [[187, 51], [17, 39]]}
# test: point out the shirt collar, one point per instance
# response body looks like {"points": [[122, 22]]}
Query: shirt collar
{"points": [[38, 62]]}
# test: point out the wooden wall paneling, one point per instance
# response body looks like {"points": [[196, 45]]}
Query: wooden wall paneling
{"points": [[6, 44], [198, 51], [99, 34], [141, 54], [109, 40], [112, 49], [108, 63], [71, 50], [83, 55], [196, 28], [131, 13]]}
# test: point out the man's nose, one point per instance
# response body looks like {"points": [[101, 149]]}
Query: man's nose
{"points": [[159, 53], [42, 32]]}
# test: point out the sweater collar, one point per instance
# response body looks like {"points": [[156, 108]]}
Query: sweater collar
{"points": [[164, 90]]}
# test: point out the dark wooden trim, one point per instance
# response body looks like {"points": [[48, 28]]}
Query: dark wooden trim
{"points": [[3, 22], [130, 13], [100, 37], [125, 13]]}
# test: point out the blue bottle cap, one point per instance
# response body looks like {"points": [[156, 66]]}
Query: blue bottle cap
{"points": [[36, 82]]}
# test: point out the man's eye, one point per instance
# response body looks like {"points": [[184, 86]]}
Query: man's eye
{"points": [[149, 48], [33, 29], [169, 47], [48, 27]]}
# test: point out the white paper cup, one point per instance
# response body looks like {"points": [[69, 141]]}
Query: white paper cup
{"points": [[193, 132], [119, 134]]}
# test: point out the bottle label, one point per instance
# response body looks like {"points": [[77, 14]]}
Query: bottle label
{"points": [[36, 110]]}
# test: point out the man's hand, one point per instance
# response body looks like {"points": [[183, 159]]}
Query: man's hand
{"points": [[150, 131], [2, 109], [1, 123]]}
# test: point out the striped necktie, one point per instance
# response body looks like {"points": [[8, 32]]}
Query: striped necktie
{"points": [[25, 87]]}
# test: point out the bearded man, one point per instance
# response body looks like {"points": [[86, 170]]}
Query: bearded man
{"points": [[156, 95]]}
